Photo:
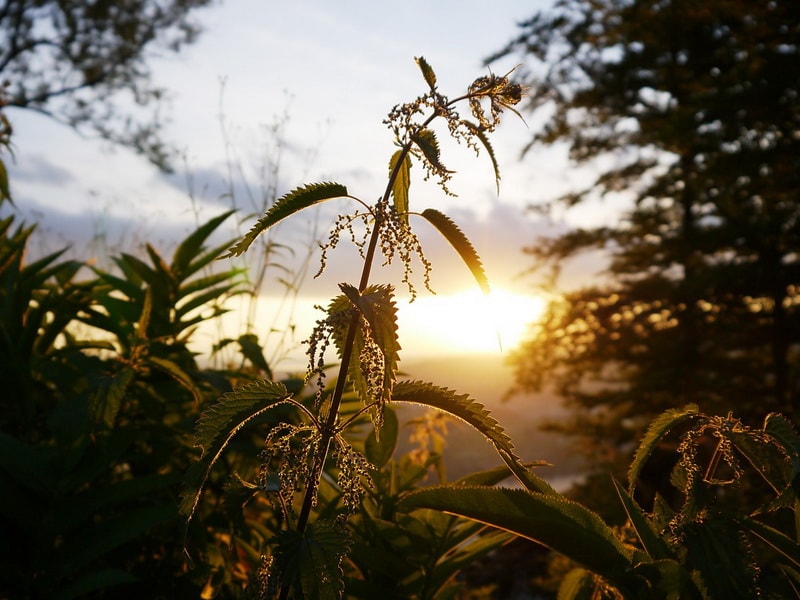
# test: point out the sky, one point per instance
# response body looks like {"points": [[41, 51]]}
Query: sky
{"points": [[287, 93]]}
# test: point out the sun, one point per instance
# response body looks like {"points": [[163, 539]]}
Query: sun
{"points": [[468, 322]]}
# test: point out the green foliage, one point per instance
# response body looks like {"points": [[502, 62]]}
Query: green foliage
{"points": [[94, 432], [400, 162], [704, 549], [362, 325], [286, 206], [311, 561], [655, 432], [474, 414], [461, 243], [220, 423]]}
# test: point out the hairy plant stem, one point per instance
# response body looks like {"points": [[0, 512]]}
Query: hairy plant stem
{"points": [[329, 428]]}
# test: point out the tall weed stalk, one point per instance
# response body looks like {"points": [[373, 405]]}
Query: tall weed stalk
{"points": [[361, 323]]}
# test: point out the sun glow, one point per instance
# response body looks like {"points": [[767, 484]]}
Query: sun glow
{"points": [[468, 322]]}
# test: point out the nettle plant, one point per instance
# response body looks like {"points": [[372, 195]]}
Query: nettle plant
{"points": [[361, 324]]}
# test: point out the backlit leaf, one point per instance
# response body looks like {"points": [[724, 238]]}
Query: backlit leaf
{"points": [[578, 584], [401, 183], [379, 448], [474, 414], [107, 398], [551, 520], [781, 429], [426, 141], [376, 304], [427, 72], [175, 371], [660, 427], [219, 424], [286, 206], [778, 540], [462, 245], [721, 558]]}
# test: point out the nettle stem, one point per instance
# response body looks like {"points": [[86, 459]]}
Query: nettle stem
{"points": [[502, 94], [329, 427]]}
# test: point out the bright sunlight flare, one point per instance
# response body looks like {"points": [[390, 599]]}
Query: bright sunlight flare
{"points": [[468, 321]]}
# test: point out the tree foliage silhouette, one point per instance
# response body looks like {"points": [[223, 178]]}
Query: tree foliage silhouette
{"points": [[85, 63], [692, 111]]}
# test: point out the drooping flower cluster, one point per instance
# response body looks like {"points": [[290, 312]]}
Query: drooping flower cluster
{"points": [[411, 129]]}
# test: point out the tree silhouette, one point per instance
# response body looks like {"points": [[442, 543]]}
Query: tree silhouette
{"points": [[695, 108], [85, 63]]}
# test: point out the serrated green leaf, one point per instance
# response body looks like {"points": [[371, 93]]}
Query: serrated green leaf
{"points": [[427, 72], [340, 313], [401, 183], [311, 562], [376, 304], [720, 558], [481, 135], [219, 424], [767, 459], [284, 207], [493, 476], [462, 245], [781, 429], [662, 425], [475, 414], [551, 520], [426, 141]]}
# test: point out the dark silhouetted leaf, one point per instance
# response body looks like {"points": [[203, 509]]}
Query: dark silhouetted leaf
{"points": [[462, 245], [286, 206], [311, 561], [474, 414], [662, 425], [427, 72], [401, 183], [551, 520], [217, 426]]}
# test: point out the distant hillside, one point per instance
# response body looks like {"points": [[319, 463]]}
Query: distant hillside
{"points": [[487, 380]]}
